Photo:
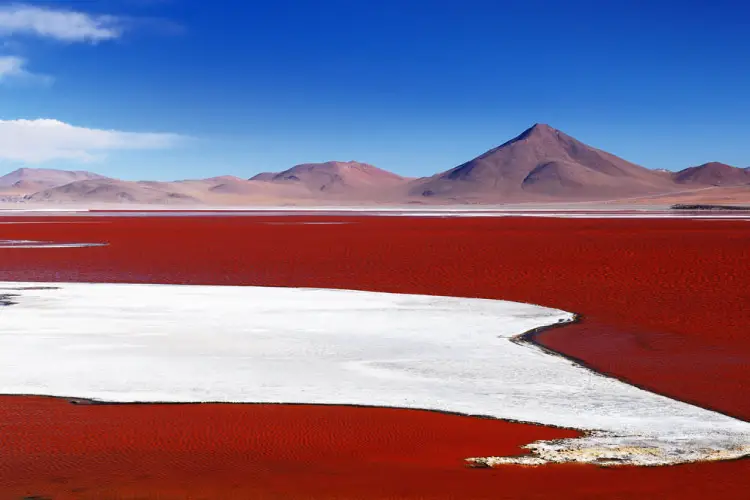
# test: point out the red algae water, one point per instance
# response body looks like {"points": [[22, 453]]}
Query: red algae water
{"points": [[664, 305]]}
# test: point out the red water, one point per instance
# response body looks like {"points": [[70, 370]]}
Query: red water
{"points": [[665, 306]]}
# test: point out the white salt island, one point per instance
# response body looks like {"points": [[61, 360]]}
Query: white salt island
{"points": [[176, 343]]}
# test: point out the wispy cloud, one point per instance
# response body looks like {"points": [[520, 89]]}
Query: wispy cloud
{"points": [[58, 24], [11, 66], [13, 69], [41, 140], [22, 20]]}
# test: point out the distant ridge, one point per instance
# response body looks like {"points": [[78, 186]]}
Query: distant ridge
{"points": [[542, 164], [34, 179], [112, 191], [713, 174], [216, 190]]}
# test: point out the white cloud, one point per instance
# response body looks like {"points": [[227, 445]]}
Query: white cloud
{"points": [[37, 141], [13, 68], [64, 25]]}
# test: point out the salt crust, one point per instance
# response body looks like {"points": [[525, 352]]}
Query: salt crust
{"points": [[176, 343]]}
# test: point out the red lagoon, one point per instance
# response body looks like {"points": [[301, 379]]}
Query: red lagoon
{"points": [[664, 305]]}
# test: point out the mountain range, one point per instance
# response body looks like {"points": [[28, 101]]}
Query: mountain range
{"points": [[540, 165]]}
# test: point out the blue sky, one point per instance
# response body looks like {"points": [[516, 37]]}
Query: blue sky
{"points": [[167, 89]]}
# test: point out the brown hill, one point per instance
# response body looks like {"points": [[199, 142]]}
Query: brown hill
{"points": [[30, 180], [228, 188], [713, 174], [540, 164], [339, 179], [224, 190], [112, 190], [264, 176]]}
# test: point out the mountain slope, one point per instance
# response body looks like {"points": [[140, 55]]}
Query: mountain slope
{"points": [[543, 163], [214, 191], [713, 174], [339, 179], [112, 190], [30, 180]]}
